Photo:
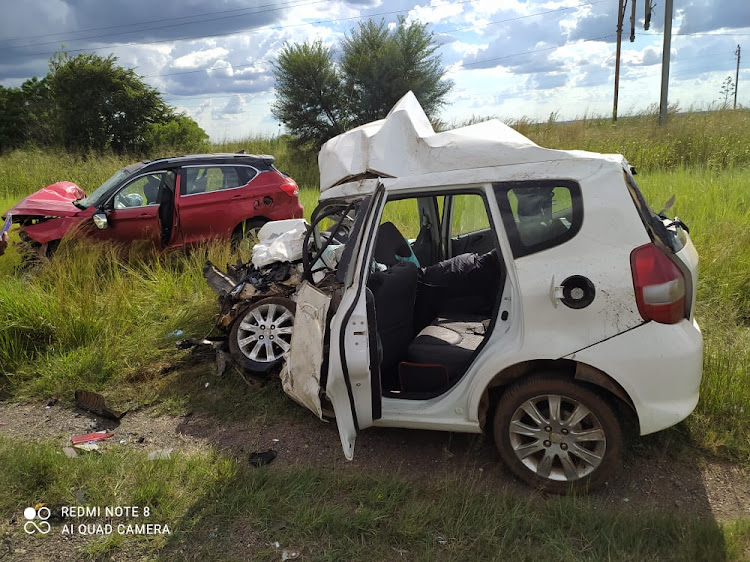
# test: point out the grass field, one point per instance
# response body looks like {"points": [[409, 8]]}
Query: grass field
{"points": [[92, 319]]}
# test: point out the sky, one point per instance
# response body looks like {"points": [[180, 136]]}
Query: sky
{"points": [[512, 59]]}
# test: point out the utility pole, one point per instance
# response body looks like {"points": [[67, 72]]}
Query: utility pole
{"points": [[632, 21], [620, 16], [736, 76], [665, 61]]}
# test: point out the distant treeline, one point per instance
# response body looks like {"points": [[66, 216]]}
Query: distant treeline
{"points": [[89, 103]]}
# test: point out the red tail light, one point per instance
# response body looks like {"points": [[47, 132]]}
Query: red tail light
{"points": [[290, 188], [659, 285]]}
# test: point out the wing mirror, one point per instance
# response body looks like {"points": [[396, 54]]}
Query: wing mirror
{"points": [[100, 220]]}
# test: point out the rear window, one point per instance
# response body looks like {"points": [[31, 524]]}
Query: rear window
{"points": [[654, 223], [539, 214]]}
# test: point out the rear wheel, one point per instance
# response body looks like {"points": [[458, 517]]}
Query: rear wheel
{"points": [[557, 435], [262, 334]]}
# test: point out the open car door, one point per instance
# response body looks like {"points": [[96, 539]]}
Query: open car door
{"points": [[351, 381]]}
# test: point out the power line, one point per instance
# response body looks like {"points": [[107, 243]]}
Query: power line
{"points": [[162, 20], [278, 27], [265, 28], [209, 96], [161, 26], [443, 32], [535, 51]]}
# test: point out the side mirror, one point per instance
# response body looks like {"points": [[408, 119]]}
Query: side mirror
{"points": [[100, 220]]}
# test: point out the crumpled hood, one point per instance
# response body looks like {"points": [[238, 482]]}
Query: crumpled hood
{"points": [[54, 200]]}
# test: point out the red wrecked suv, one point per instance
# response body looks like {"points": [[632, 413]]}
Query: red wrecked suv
{"points": [[170, 202]]}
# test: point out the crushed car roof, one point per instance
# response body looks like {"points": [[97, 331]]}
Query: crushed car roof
{"points": [[405, 144]]}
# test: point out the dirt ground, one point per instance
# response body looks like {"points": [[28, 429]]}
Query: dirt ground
{"points": [[653, 476]]}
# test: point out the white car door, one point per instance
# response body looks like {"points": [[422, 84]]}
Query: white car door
{"points": [[352, 359]]}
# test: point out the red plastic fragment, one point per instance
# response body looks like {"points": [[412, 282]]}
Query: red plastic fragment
{"points": [[91, 437]]}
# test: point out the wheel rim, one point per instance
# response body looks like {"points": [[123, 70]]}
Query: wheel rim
{"points": [[557, 437], [265, 333]]}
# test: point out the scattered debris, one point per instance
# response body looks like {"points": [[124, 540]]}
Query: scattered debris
{"points": [[51, 402], [96, 404], [195, 342], [289, 554], [91, 437], [160, 455], [70, 452], [3, 423], [441, 540], [260, 458], [87, 447], [175, 334], [141, 439], [206, 385], [221, 362]]}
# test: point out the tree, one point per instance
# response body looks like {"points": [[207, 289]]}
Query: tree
{"points": [[308, 93], [380, 66], [101, 105], [318, 97], [179, 133]]}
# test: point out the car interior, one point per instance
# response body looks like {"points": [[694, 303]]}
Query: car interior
{"points": [[432, 315]]}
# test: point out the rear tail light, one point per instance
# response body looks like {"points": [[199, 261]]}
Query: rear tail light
{"points": [[659, 285], [290, 188]]}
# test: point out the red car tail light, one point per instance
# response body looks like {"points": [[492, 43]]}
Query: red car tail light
{"points": [[290, 188], [659, 285]]}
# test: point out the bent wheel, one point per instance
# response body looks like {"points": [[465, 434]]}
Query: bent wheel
{"points": [[557, 435], [262, 334]]}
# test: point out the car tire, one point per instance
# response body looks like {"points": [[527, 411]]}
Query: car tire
{"points": [[262, 334], [557, 435], [247, 230]]}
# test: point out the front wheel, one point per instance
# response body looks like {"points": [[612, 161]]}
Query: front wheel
{"points": [[557, 435], [262, 334]]}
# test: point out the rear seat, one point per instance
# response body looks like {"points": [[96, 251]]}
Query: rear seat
{"points": [[449, 342]]}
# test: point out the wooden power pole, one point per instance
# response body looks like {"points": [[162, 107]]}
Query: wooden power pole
{"points": [[665, 61], [737, 75], [620, 16]]}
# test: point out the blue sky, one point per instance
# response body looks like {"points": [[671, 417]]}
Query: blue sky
{"points": [[510, 58]]}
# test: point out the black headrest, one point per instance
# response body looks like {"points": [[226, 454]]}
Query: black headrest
{"points": [[389, 244]]}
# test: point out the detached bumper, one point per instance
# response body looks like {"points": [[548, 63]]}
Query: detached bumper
{"points": [[659, 366]]}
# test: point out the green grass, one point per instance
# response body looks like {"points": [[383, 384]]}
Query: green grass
{"points": [[218, 508], [97, 318], [54, 319]]}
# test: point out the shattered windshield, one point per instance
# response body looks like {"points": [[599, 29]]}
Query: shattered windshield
{"points": [[332, 227], [95, 198]]}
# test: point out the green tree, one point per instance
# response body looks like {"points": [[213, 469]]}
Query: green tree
{"points": [[101, 105], [11, 113], [179, 133], [308, 93], [318, 97], [381, 65]]}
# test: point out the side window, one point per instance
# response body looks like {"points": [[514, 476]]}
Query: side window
{"points": [[215, 178], [142, 191], [468, 215], [539, 215]]}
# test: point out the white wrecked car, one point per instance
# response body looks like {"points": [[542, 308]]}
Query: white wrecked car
{"points": [[473, 281]]}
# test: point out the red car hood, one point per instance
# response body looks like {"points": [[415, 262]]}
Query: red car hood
{"points": [[55, 200]]}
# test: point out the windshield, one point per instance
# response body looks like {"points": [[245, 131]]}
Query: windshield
{"points": [[99, 192]]}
